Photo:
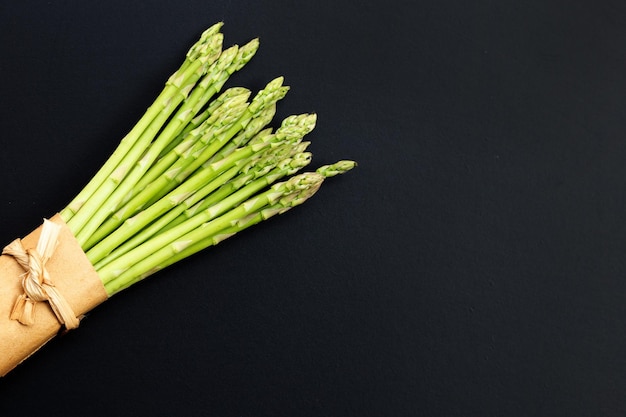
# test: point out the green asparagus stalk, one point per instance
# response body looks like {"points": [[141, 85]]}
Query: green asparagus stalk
{"points": [[292, 130], [188, 156], [285, 144], [232, 60], [295, 159], [164, 238], [178, 85], [86, 212], [292, 191], [262, 105], [234, 192], [191, 161], [175, 197], [171, 209], [252, 129], [194, 170], [215, 116], [129, 235], [99, 227], [280, 207], [217, 75]]}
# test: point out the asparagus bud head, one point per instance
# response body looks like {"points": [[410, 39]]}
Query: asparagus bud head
{"points": [[335, 169], [244, 55], [208, 37]]}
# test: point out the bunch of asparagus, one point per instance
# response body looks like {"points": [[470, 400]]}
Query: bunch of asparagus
{"points": [[198, 167]]}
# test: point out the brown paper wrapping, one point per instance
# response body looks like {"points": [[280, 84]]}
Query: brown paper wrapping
{"points": [[73, 276]]}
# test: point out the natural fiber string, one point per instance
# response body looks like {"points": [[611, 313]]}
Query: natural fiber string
{"points": [[36, 282]]}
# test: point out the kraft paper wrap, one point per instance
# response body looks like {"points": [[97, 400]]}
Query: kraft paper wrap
{"points": [[73, 276]]}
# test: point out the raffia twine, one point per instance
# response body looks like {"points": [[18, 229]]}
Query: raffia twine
{"points": [[36, 281]]}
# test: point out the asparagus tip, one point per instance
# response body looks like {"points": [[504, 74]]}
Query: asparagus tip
{"points": [[337, 168]]}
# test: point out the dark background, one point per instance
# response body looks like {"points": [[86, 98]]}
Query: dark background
{"points": [[474, 264]]}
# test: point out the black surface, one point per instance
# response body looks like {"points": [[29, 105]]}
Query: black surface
{"points": [[473, 265]]}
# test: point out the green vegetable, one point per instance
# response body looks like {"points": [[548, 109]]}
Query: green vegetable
{"points": [[194, 170]]}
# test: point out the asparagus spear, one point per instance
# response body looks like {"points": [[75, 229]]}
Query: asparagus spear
{"points": [[292, 191], [218, 76], [230, 60], [292, 157], [224, 115], [280, 207], [153, 211], [129, 235], [164, 238], [171, 209], [215, 113], [204, 51], [214, 139], [292, 130], [95, 201], [193, 172]]}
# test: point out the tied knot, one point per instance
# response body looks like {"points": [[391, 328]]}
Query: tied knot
{"points": [[36, 281]]}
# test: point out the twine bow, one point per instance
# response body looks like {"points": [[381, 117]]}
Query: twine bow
{"points": [[36, 281]]}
